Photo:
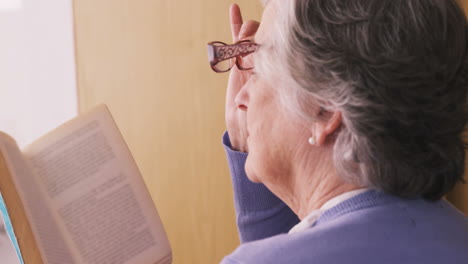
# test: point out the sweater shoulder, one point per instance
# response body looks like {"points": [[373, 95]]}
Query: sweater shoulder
{"points": [[406, 231]]}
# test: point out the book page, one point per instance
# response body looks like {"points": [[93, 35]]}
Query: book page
{"points": [[98, 193], [49, 239]]}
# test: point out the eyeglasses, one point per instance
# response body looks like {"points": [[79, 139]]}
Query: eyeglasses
{"points": [[223, 57]]}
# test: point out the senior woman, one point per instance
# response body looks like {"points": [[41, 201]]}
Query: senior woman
{"points": [[352, 114]]}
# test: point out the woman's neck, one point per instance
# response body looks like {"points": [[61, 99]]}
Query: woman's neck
{"points": [[314, 199], [313, 184]]}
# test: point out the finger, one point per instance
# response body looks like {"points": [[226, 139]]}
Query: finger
{"points": [[248, 29], [236, 21]]}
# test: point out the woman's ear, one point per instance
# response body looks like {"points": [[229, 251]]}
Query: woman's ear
{"points": [[325, 128]]}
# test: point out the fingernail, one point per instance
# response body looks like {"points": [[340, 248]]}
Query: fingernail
{"points": [[241, 32], [241, 35]]}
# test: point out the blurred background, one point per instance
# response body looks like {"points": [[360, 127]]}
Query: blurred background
{"points": [[145, 59]]}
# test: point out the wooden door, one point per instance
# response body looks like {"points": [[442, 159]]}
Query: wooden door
{"points": [[459, 197], [146, 59]]}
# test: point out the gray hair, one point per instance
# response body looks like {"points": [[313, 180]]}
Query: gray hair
{"points": [[397, 70]]}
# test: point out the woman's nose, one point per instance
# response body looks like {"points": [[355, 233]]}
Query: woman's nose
{"points": [[242, 98]]}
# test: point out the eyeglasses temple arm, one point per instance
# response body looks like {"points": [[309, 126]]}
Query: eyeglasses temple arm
{"points": [[220, 53]]}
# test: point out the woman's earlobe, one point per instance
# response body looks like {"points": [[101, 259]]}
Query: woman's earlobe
{"points": [[327, 127]]}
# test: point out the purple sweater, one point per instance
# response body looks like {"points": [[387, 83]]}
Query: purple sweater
{"points": [[372, 227]]}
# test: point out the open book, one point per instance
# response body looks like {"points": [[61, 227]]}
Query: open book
{"points": [[76, 196]]}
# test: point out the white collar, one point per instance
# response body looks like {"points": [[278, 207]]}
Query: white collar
{"points": [[312, 217]]}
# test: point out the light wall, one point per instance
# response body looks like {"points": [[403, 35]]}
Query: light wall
{"points": [[37, 66]]}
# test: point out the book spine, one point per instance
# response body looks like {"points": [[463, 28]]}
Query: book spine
{"points": [[9, 228]]}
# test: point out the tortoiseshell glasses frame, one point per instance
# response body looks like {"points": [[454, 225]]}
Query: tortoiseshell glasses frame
{"points": [[219, 52]]}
